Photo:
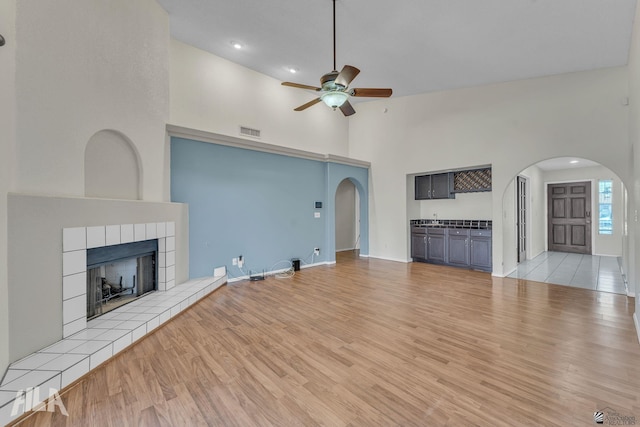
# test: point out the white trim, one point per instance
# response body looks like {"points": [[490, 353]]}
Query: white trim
{"points": [[317, 264], [364, 256], [232, 141], [504, 274], [637, 323], [346, 161], [630, 294], [404, 261], [274, 272], [345, 250]]}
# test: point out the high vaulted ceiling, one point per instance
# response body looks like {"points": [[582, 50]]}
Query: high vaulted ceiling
{"points": [[412, 46]]}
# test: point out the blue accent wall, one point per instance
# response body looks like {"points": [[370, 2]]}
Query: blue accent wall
{"points": [[255, 204]]}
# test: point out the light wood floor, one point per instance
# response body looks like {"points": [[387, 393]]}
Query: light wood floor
{"points": [[369, 343]]}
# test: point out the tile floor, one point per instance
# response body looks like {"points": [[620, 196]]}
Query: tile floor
{"points": [[600, 273], [63, 362]]}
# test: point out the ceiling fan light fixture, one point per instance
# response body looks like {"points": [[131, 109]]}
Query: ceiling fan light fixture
{"points": [[334, 99]]}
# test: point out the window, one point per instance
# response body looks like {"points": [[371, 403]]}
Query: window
{"points": [[605, 225]]}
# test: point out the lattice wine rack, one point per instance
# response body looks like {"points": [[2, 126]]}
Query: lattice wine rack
{"points": [[472, 181]]}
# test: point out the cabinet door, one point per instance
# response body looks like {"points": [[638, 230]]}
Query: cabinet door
{"points": [[423, 187], [418, 246], [436, 248], [441, 187], [481, 253], [459, 249]]}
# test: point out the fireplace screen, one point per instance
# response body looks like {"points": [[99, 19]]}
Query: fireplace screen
{"points": [[119, 274]]}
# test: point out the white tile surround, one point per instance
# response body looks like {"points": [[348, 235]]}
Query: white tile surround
{"points": [[76, 241], [85, 345]]}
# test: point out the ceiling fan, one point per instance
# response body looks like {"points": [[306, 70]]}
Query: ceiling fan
{"points": [[334, 90]]}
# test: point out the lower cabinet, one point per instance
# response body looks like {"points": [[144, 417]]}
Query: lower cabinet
{"points": [[437, 245], [418, 246], [469, 248], [480, 250], [458, 248]]}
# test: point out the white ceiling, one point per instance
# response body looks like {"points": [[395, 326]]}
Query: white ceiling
{"points": [[565, 163], [412, 46]]}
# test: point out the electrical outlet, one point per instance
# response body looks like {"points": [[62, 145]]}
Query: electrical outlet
{"points": [[234, 261], [316, 251], [240, 261]]}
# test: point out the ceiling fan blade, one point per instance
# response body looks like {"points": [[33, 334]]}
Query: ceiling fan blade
{"points": [[375, 93], [347, 109], [307, 105], [299, 86], [346, 76]]}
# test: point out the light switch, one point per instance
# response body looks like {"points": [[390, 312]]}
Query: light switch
{"points": [[316, 214]]}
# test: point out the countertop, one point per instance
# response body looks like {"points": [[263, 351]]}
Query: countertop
{"points": [[477, 224]]}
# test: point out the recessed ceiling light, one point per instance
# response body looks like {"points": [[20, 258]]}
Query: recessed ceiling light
{"points": [[573, 162], [237, 45], [292, 70]]}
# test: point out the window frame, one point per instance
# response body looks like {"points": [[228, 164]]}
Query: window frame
{"points": [[605, 205]]}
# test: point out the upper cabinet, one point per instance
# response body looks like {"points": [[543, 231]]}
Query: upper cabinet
{"points": [[434, 186], [445, 185]]}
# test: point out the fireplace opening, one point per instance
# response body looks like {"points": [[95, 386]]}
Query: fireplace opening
{"points": [[119, 274]]}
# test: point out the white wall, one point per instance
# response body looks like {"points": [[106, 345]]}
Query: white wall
{"points": [[7, 146], [610, 245], [79, 68], [510, 126], [509, 235], [464, 206], [83, 67], [215, 95], [634, 138]]}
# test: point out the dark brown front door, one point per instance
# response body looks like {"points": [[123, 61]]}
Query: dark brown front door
{"points": [[570, 217]]}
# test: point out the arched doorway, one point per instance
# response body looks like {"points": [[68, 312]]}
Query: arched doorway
{"points": [[565, 223], [347, 220], [359, 177]]}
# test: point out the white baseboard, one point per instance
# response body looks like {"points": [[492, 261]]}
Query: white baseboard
{"points": [[316, 264], [281, 270], [637, 323], [405, 261], [505, 274], [364, 256], [346, 250], [533, 256]]}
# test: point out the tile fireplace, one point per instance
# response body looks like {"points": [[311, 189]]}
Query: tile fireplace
{"points": [[91, 254]]}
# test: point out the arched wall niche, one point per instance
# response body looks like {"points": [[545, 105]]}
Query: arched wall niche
{"points": [[112, 167]]}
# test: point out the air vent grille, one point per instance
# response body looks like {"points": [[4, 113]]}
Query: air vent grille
{"points": [[246, 131]]}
